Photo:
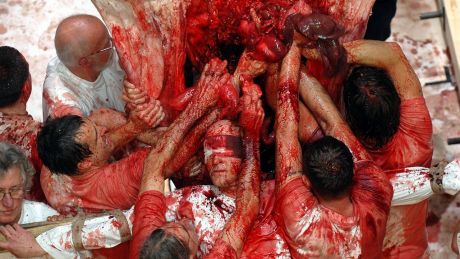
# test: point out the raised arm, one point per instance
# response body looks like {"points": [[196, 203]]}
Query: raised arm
{"points": [[384, 55], [326, 113], [213, 77], [247, 202], [288, 152]]}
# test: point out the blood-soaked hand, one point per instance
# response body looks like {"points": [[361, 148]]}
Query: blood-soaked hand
{"points": [[252, 113], [321, 32], [213, 78], [249, 68], [147, 115], [134, 96]]}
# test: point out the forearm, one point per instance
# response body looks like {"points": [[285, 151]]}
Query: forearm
{"points": [[152, 136], [288, 152], [191, 143], [247, 202], [327, 115], [389, 57]]}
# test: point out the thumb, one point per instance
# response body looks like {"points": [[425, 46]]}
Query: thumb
{"points": [[4, 245]]}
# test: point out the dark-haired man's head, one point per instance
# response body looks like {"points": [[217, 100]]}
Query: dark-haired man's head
{"points": [[372, 106], [175, 240], [59, 147], [15, 78], [328, 163]]}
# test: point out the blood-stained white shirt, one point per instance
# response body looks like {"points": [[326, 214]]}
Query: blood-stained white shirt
{"points": [[33, 211], [64, 92]]}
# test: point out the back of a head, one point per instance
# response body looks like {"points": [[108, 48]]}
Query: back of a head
{"points": [[75, 37], [162, 245], [372, 105], [14, 72], [57, 146], [328, 163]]}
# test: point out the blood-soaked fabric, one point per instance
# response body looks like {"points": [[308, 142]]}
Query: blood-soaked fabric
{"points": [[265, 239], [312, 230], [149, 214], [113, 186], [226, 145], [411, 146], [210, 210], [22, 130]]}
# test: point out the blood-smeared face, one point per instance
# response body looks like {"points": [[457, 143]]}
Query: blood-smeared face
{"points": [[11, 188], [92, 134], [223, 154]]}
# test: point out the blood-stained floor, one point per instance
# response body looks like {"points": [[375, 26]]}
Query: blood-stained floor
{"points": [[29, 25]]}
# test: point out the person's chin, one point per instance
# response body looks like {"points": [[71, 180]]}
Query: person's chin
{"points": [[7, 217]]}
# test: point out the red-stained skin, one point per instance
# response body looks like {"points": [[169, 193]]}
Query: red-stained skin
{"points": [[22, 130]]}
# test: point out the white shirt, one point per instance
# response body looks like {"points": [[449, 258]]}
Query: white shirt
{"points": [[64, 89], [33, 211]]}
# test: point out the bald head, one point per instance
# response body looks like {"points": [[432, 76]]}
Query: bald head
{"points": [[78, 36]]}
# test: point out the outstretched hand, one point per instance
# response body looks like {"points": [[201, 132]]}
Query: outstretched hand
{"points": [[20, 242], [252, 113], [213, 77]]}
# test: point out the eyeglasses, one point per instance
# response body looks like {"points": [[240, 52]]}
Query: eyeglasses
{"points": [[104, 49], [15, 193]]}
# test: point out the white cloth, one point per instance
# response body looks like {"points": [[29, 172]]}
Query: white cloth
{"points": [[63, 88], [100, 232], [413, 185], [33, 211], [451, 178]]}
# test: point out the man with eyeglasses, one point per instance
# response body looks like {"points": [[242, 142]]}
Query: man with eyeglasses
{"points": [[16, 173], [85, 75]]}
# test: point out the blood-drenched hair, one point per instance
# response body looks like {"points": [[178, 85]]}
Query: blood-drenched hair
{"points": [[161, 245], [328, 163], [372, 106], [57, 147], [14, 72]]}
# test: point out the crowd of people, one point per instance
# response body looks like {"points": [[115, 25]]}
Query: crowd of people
{"points": [[107, 176]]}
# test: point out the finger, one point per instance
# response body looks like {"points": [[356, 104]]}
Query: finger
{"points": [[5, 245], [158, 117], [128, 84], [4, 231], [17, 227]]}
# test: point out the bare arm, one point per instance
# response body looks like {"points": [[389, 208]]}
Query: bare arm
{"points": [[247, 202], [212, 77], [326, 113], [384, 55], [191, 143], [288, 152]]}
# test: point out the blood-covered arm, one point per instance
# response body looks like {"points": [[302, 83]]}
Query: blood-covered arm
{"points": [[384, 55], [213, 77], [191, 143], [247, 202], [288, 151], [327, 115]]}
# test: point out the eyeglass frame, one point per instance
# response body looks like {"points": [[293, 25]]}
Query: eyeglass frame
{"points": [[104, 49], [14, 193]]}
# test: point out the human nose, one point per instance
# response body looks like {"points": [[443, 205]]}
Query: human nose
{"points": [[7, 200]]}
